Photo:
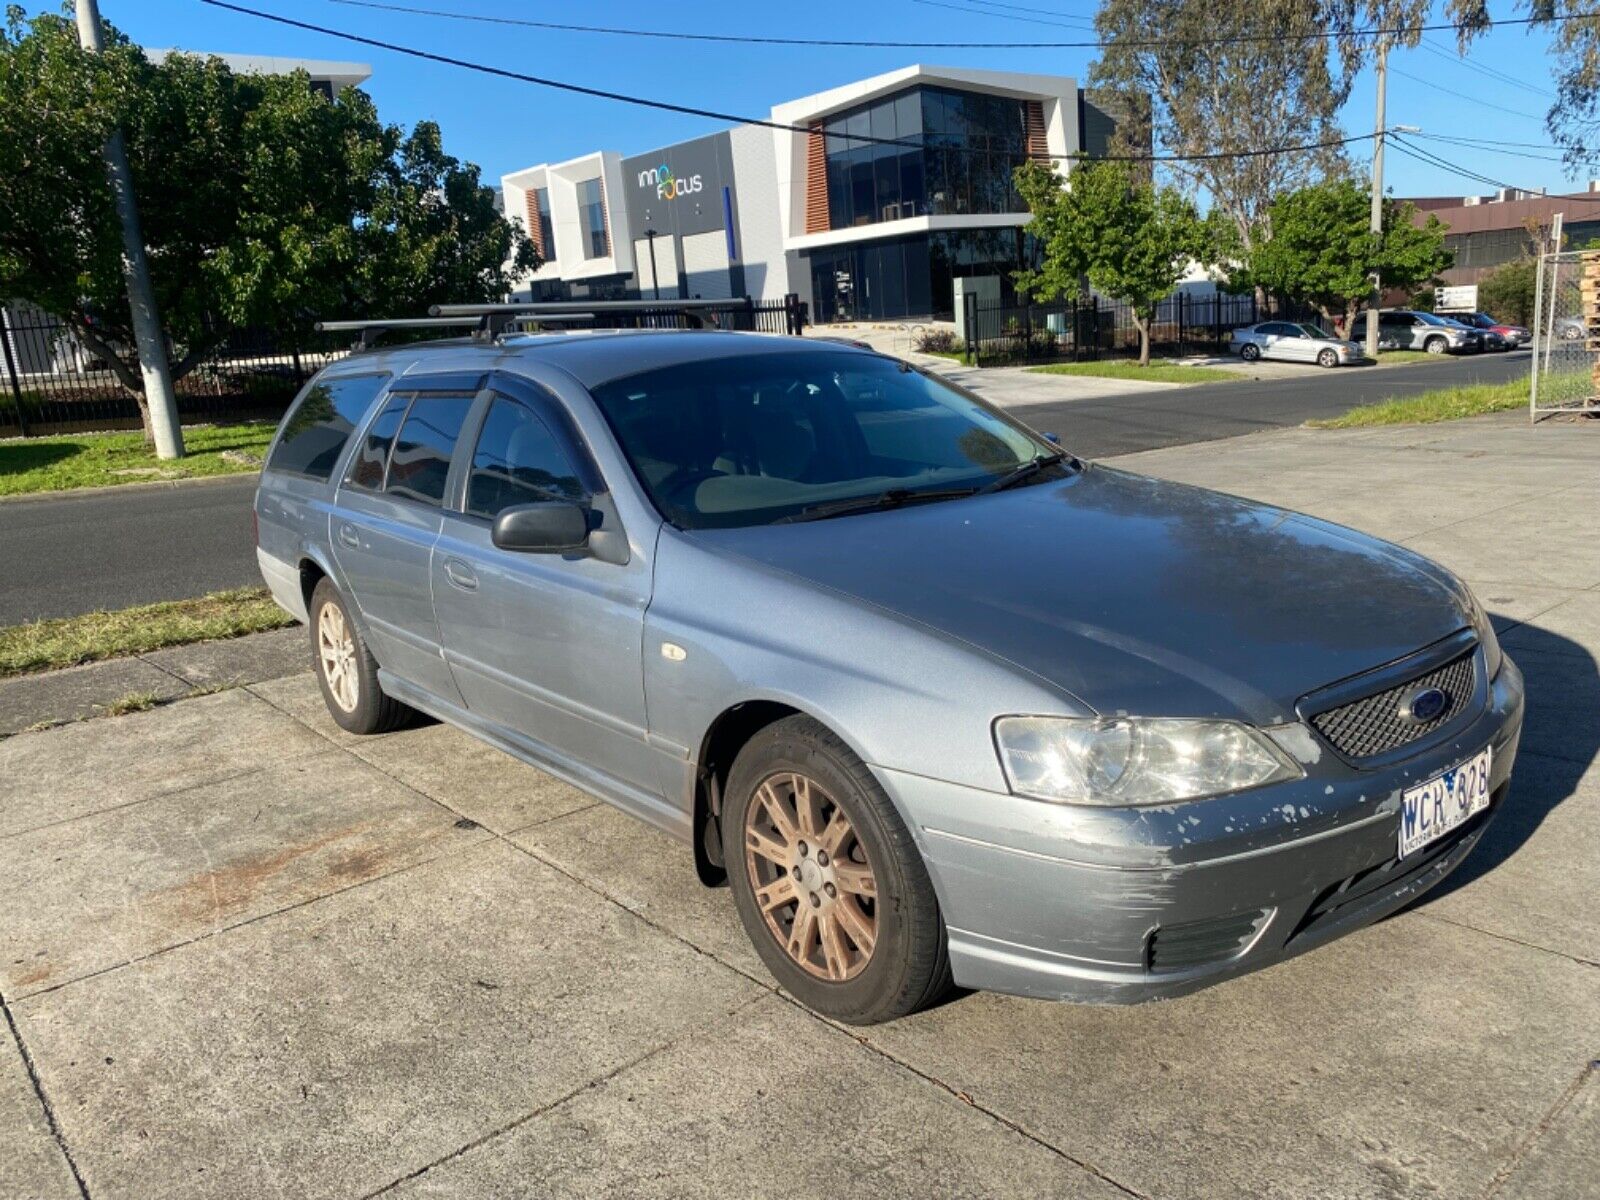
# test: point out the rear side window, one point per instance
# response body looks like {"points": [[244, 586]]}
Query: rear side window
{"points": [[317, 428], [517, 461], [367, 470], [420, 462]]}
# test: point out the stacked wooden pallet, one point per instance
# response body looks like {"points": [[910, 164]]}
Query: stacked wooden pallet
{"points": [[1589, 300]]}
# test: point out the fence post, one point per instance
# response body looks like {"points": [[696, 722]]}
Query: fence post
{"points": [[969, 332], [791, 309], [11, 369], [1027, 332], [1183, 301]]}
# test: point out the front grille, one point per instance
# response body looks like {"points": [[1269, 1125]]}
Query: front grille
{"points": [[1174, 947], [1372, 725]]}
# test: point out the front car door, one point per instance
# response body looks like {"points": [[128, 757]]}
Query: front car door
{"points": [[547, 647], [387, 517]]}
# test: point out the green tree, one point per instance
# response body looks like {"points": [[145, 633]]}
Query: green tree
{"points": [[1254, 98], [1322, 250], [263, 204], [1129, 239], [1507, 292]]}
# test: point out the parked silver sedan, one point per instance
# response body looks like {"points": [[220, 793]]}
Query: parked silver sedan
{"points": [[1293, 342], [940, 701]]}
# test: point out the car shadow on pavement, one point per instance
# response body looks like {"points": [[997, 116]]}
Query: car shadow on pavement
{"points": [[1563, 687]]}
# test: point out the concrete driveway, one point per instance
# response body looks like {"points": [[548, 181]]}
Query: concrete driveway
{"points": [[245, 954]]}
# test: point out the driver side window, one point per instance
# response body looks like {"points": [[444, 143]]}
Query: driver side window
{"points": [[517, 461]]}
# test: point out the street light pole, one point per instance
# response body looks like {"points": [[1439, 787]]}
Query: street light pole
{"points": [[1376, 297], [655, 279], [147, 333]]}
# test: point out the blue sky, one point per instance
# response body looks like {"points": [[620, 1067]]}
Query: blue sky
{"points": [[504, 125]]}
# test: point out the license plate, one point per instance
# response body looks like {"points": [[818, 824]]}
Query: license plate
{"points": [[1432, 809]]}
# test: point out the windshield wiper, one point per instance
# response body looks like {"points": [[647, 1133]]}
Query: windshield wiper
{"points": [[893, 498], [1026, 471]]}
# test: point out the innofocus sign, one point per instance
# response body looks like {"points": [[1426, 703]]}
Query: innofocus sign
{"points": [[667, 185]]}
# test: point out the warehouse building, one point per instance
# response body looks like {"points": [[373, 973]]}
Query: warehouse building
{"points": [[1484, 232], [868, 201]]}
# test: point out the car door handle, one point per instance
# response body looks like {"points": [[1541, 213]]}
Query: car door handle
{"points": [[349, 536], [458, 573]]}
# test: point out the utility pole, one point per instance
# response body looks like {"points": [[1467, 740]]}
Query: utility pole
{"points": [[147, 333], [1376, 298]]}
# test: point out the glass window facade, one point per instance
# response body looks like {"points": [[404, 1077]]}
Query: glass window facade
{"points": [[958, 153], [592, 214], [913, 276]]}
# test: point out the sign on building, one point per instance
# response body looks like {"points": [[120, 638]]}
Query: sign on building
{"points": [[1461, 298]]}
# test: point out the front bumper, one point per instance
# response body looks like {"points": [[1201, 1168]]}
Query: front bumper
{"points": [[1127, 905]]}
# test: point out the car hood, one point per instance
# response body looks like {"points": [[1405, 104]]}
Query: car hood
{"points": [[1132, 594]]}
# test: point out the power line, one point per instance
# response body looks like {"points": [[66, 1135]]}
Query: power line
{"points": [[734, 118], [1439, 87], [1491, 149], [1461, 60], [1066, 23], [756, 40]]}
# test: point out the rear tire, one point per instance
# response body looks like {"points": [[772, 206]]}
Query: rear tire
{"points": [[1250, 352], [858, 936], [346, 670]]}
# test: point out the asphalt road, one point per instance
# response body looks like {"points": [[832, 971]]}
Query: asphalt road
{"points": [[114, 549], [1129, 423]]}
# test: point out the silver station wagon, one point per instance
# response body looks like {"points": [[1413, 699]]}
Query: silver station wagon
{"points": [[938, 700]]}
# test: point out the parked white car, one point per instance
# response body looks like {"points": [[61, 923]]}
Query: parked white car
{"points": [[1294, 342]]}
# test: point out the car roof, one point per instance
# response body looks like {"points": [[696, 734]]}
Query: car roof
{"points": [[592, 357]]}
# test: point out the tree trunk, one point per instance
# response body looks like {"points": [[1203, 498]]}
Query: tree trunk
{"points": [[1142, 324], [131, 382]]}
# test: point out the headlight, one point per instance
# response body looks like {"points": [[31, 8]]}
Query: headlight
{"points": [[1493, 656], [1134, 760]]}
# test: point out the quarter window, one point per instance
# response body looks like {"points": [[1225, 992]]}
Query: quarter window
{"points": [[420, 463], [367, 470], [317, 428], [517, 461]]}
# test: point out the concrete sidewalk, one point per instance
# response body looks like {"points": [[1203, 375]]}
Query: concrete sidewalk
{"points": [[248, 955]]}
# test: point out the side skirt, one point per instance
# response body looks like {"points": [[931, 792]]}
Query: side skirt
{"points": [[651, 809]]}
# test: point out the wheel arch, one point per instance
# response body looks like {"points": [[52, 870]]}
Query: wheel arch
{"points": [[728, 733]]}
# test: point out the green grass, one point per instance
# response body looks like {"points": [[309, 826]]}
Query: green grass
{"points": [[46, 464], [68, 641], [1442, 404], [1156, 372]]}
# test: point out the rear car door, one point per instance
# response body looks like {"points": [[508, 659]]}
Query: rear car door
{"points": [[544, 645], [387, 518]]}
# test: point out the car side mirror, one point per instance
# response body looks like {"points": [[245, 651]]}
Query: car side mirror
{"points": [[546, 527]]}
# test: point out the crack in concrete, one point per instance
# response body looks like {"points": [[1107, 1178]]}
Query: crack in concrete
{"points": [[545, 1109], [44, 1101], [1525, 1147], [1506, 937]]}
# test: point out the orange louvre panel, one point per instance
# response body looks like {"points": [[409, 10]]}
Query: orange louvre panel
{"points": [[1038, 147], [816, 182], [535, 229]]}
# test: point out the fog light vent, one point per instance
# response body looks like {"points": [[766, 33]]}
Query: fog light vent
{"points": [[1179, 947]]}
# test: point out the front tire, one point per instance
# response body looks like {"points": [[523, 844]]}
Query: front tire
{"points": [[1435, 345], [1328, 359], [346, 670], [827, 880], [1250, 352]]}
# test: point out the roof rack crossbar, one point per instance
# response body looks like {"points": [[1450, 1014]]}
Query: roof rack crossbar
{"points": [[368, 332], [559, 306]]}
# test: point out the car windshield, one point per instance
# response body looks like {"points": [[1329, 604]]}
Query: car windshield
{"points": [[753, 439], [1311, 331], [1432, 319]]}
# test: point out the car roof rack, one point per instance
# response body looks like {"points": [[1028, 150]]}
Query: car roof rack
{"points": [[368, 332]]}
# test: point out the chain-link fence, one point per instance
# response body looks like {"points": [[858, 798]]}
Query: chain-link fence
{"points": [[1566, 336]]}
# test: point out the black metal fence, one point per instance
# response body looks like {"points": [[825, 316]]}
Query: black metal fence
{"points": [[53, 383], [999, 334]]}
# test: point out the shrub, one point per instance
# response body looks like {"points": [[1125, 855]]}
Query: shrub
{"points": [[936, 341]]}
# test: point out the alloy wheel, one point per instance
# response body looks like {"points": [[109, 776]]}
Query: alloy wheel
{"points": [[337, 652], [811, 876]]}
